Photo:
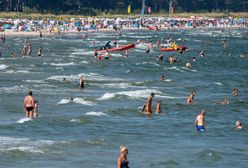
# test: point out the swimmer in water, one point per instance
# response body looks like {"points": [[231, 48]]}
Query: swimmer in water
{"points": [[162, 77], [202, 53], [242, 55], [81, 83], [149, 104], [160, 57], [200, 121], [122, 159], [172, 59], [188, 65], [224, 102], [13, 55], [190, 99], [235, 92], [29, 49], [35, 114], [193, 59], [39, 52], [158, 107], [238, 125], [29, 105], [126, 54], [24, 51]]}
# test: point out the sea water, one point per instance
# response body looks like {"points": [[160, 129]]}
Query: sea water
{"points": [[88, 131]]}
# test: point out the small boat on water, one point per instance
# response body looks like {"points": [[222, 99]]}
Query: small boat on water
{"points": [[120, 48]]}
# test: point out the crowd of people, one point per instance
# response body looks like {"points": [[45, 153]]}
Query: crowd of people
{"points": [[81, 24], [31, 105]]}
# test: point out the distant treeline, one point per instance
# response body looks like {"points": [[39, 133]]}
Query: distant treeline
{"points": [[97, 7]]}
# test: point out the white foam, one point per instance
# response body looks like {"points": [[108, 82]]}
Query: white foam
{"points": [[74, 120], [23, 144], [115, 55], [63, 64], [23, 120], [2, 66], [64, 101], [13, 89], [141, 63], [218, 83], [88, 77], [93, 113], [192, 70], [23, 71], [117, 85], [84, 102], [141, 46], [174, 68], [76, 100], [107, 96], [29, 149], [87, 53], [136, 94], [168, 80]]}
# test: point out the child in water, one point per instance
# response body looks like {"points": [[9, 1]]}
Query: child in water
{"points": [[158, 107], [35, 114]]}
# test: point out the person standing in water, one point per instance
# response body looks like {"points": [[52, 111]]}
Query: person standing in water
{"points": [[29, 49], [158, 107], [36, 114], [122, 159], [29, 105], [200, 121], [39, 52], [24, 51], [13, 55], [190, 99], [81, 83], [149, 104]]}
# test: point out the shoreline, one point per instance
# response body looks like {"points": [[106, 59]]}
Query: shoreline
{"points": [[11, 33]]}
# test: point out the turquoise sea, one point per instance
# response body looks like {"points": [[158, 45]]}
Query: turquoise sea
{"points": [[87, 132]]}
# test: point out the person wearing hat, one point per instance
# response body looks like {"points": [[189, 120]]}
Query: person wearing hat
{"points": [[122, 160], [149, 104]]}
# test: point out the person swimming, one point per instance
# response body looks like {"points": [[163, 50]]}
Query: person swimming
{"points": [[162, 77], [160, 57], [238, 125], [224, 102], [188, 65], [235, 92], [172, 59]]}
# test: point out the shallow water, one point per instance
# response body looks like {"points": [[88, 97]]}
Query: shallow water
{"points": [[88, 132]]}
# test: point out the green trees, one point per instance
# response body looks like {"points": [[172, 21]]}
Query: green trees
{"points": [[95, 7]]}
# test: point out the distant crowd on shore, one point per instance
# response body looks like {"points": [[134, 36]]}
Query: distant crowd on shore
{"points": [[84, 24]]}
